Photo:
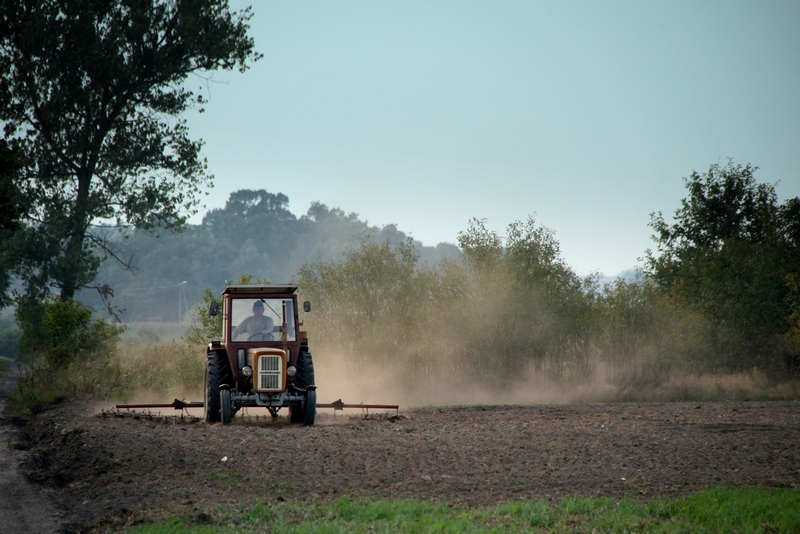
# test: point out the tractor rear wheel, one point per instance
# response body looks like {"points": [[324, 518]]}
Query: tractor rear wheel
{"points": [[216, 374], [304, 377], [310, 407], [225, 406], [305, 371]]}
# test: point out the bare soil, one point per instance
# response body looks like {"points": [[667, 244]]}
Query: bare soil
{"points": [[110, 470], [24, 507]]}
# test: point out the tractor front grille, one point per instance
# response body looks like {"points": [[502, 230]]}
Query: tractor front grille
{"points": [[270, 372]]}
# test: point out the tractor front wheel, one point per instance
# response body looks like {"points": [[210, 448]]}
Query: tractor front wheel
{"points": [[310, 407], [225, 406]]}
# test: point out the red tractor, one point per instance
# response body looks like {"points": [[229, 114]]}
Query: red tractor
{"points": [[262, 359]]}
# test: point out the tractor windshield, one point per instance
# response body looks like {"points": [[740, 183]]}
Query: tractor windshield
{"points": [[260, 319]]}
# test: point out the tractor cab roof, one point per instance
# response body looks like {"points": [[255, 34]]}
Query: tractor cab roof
{"points": [[259, 289]]}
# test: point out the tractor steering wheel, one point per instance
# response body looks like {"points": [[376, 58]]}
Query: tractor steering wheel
{"points": [[261, 337]]}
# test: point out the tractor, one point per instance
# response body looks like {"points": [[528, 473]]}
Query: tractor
{"points": [[262, 359]]}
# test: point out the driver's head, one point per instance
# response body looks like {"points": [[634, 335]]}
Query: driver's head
{"points": [[258, 307]]}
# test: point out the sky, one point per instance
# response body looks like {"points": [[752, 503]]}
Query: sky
{"points": [[584, 115]]}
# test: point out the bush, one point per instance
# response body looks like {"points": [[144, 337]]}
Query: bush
{"points": [[71, 353]]}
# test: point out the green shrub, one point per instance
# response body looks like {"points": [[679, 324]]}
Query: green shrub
{"points": [[71, 353]]}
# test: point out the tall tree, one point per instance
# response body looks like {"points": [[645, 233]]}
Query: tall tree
{"points": [[93, 90], [11, 212], [258, 215], [732, 253]]}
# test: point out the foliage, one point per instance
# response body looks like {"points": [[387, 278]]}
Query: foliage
{"points": [[482, 248], [510, 311], [524, 306], [29, 314], [372, 284], [508, 304], [12, 209], [74, 354], [645, 336], [372, 303], [205, 327], [90, 92], [731, 255], [72, 333], [9, 338], [793, 335], [714, 510], [118, 371], [257, 216], [253, 233], [508, 314]]}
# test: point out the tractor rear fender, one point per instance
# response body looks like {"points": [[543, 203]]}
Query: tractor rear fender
{"points": [[216, 350]]}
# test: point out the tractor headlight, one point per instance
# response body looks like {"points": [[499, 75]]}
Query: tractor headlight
{"points": [[291, 370], [247, 370]]}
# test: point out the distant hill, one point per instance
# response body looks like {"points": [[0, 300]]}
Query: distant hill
{"points": [[255, 233]]}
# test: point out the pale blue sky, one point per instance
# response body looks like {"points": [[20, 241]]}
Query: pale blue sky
{"points": [[587, 114]]}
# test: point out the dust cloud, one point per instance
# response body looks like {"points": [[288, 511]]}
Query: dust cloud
{"points": [[433, 374], [340, 376]]}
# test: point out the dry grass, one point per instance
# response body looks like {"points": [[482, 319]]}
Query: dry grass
{"points": [[156, 372], [727, 387]]}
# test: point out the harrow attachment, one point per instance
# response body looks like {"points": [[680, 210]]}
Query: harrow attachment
{"points": [[337, 405], [177, 404]]}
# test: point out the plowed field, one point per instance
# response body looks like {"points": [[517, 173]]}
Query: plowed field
{"points": [[102, 467]]}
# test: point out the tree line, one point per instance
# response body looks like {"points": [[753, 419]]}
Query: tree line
{"points": [[719, 294], [253, 233], [96, 160]]}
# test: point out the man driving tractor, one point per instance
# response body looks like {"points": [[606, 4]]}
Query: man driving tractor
{"points": [[256, 326]]}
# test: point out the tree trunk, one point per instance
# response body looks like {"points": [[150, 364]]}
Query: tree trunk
{"points": [[73, 255]]}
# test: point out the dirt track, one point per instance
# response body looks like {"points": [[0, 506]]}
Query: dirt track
{"points": [[23, 507], [116, 470]]}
